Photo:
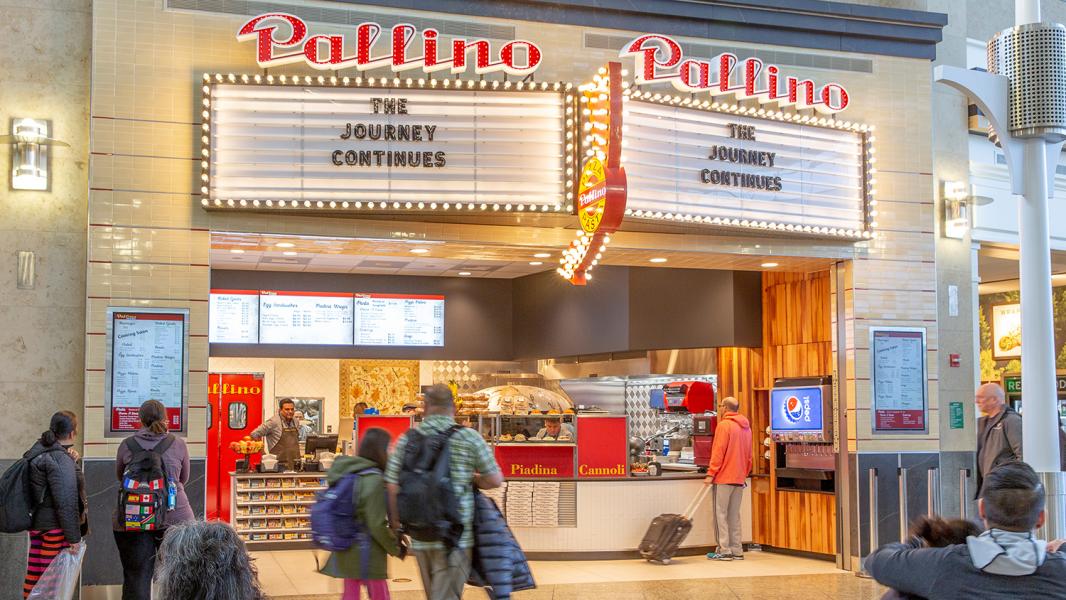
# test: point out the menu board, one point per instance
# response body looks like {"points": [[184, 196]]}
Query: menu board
{"points": [[399, 320], [147, 361], [898, 378], [234, 317], [321, 318]]}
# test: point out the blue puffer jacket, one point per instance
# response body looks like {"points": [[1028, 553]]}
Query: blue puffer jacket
{"points": [[499, 565]]}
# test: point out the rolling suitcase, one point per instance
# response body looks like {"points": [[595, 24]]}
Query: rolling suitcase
{"points": [[667, 531]]}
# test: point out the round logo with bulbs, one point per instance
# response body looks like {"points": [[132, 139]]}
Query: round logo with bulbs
{"points": [[592, 194], [793, 409]]}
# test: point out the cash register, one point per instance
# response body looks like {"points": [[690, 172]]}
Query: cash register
{"points": [[314, 447]]}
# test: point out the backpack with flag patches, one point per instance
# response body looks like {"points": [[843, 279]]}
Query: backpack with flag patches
{"points": [[142, 497]]}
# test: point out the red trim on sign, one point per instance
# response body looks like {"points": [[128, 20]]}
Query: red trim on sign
{"points": [[149, 316], [319, 294], [233, 292], [402, 296]]}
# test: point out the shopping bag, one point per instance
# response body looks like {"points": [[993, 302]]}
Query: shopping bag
{"points": [[60, 579]]}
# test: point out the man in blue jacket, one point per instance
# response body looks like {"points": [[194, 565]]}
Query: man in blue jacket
{"points": [[1006, 561]]}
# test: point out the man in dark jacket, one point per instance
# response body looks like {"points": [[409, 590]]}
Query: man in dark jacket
{"points": [[999, 432], [1006, 561]]}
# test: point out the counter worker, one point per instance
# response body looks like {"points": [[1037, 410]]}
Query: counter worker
{"points": [[282, 432], [553, 426], [304, 429]]}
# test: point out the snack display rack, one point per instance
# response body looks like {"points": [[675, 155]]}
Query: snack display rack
{"points": [[273, 509]]}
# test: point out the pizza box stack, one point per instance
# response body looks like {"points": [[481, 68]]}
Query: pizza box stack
{"points": [[520, 503], [546, 504], [499, 496]]}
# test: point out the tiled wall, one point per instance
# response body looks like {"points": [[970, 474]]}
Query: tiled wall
{"points": [[149, 238]]}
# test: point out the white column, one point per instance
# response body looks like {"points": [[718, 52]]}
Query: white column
{"points": [[1026, 11], [1040, 403]]}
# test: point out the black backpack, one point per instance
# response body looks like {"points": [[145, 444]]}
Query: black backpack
{"points": [[429, 510], [17, 501], [142, 497]]}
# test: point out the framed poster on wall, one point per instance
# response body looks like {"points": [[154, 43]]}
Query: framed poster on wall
{"points": [[146, 358], [898, 380], [310, 408], [1006, 331]]}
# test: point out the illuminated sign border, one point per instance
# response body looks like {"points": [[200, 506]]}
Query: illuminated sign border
{"points": [[566, 90], [869, 167]]}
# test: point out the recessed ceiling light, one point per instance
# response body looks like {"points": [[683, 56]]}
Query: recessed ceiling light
{"points": [[236, 251], [284, 244], [290, 253], [768, 265], [657, 260], [542, 255], [419, 250], [535, 263], [464, 273]]}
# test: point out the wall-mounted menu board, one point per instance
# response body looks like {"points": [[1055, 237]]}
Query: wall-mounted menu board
{"points": [[147, 358], [321, 318], [898, 374], [234, 317], [399, 320]]}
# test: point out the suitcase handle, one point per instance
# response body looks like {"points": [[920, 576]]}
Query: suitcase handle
{"points": [[697, 501]]}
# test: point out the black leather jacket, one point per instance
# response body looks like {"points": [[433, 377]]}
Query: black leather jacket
{"points": [[56, 482], [498, 565]]}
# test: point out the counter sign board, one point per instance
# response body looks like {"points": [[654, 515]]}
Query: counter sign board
{"points": [[898, 377], [147, 358]]}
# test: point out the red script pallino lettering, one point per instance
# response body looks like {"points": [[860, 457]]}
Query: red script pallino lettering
{"points": [[327, 52], [659, 58]]}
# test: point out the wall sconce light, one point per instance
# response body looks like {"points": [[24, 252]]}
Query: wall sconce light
{"points": [[30, 153], [957, 197]]}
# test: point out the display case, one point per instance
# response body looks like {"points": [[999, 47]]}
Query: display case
{"points": [[273, 510]]}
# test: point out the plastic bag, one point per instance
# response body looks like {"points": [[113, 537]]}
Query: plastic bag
{"points": [[60, 579]]}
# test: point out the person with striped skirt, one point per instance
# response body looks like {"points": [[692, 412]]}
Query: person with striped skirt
{"points": [[58, 520]]}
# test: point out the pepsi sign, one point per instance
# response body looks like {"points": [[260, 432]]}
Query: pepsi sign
{"points": [[796, 409]]}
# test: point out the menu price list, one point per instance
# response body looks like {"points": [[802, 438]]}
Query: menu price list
{"points": [[147, 362], [399, 320], [234, 317], [899, 380], [305, 318]]}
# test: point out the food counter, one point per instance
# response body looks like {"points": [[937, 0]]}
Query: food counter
{"points": [[271, 511]]}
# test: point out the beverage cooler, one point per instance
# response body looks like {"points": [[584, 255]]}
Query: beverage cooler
{"points": [[801, 425]]}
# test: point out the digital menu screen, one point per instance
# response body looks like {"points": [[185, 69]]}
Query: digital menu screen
{"points": [[234, 317], [399, 320], [320, 318], [147, 362], [796, 409]]}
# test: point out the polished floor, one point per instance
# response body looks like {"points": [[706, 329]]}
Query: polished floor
{"points": [[292, 575]]}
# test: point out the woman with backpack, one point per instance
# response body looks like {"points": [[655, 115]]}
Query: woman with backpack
{"points": [[155, 464], [59, 517], [365, 562]]}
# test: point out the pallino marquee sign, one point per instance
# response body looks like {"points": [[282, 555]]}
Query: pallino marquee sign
{"points": [[721, 152]]}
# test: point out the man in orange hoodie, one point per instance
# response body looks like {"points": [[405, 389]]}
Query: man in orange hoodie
{"points": [[728, 471]]}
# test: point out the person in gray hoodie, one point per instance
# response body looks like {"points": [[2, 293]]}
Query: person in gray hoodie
{"points": [[1006, 561]]}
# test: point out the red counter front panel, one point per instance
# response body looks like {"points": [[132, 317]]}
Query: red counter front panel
{"points": [[536, 461], [602, 447]]}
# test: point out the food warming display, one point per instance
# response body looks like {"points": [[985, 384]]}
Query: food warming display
{"points": [[273, 508]]}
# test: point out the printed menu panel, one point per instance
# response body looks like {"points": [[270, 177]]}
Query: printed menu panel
{"points": [[399, 320], [898, 374], [147, 363], [234, 317], [321, 318]]}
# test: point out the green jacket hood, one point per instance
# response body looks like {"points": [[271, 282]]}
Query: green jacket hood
{"points": [[346, 465]]}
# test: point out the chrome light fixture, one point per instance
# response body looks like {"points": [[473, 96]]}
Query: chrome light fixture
{"points": [[956, 195], [30, 153]]}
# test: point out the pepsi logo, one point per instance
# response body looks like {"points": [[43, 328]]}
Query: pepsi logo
{"points": [[792, 409]]}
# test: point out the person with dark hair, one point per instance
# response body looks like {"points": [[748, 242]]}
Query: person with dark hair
{"points": [[444, 565], [1006, 561], [137, 549], [359, 409], [201, 560], [282, 432], [370, 570], [54, 478], [936, 532]]}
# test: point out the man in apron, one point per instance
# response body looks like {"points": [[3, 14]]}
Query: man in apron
{"points": [[282, 433]]}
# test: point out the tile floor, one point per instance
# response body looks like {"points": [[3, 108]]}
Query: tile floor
{"points": [[292, 575]]}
